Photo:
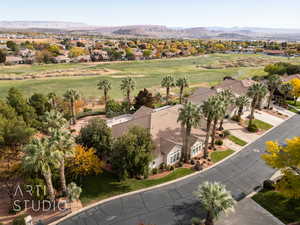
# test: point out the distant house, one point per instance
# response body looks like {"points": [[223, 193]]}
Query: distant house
{"points": [[26, 53], [99, 55], [82, 58], [167, 135], [12, 60], [238, 87], [274, 52], [61, 59]]}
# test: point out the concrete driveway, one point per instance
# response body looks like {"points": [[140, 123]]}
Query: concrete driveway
{"points": [[175, 204]]}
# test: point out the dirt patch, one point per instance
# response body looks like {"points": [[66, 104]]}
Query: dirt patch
{"points": [[124, 76], [61, 73]]}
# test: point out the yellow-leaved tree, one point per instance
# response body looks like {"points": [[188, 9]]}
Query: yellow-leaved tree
{"points": [[287, 159], [296, 89], [85, 162]]}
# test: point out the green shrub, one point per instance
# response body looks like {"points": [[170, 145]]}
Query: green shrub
{"points": [[87, 110], [252, 128], [154, 171], [219, 142], [162, 166], [172, 168], [269, 185], [74, 191], [196, 221], [235, 118], [226, 133], [19, 220]]}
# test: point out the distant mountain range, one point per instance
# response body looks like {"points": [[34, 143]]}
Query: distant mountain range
{"points": [[157, 31]]}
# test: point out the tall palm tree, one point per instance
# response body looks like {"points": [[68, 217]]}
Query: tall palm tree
{"points": [[168, 82], [256, 91], [215, 199], [63, 142], [241, 102], [54, 120], [285, 89], [182, 83], [127, 86], [72, 96], [218, 114], [104, 85], [208, 111], [189, 116], [40, 156], [227, 98], [52, 99], [273, 82]]}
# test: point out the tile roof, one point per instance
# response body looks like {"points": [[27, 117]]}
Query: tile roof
{"points": [[163, 126]]}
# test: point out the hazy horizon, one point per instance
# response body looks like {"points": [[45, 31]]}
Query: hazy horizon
{"points": [[171, 13]]}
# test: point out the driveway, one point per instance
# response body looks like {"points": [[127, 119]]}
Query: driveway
{"points": [[175, 204]]}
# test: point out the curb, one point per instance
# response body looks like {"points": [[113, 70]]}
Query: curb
{"points": [[164, 184]]}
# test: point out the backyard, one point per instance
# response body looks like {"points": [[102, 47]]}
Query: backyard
{"points": [[148, 73]]}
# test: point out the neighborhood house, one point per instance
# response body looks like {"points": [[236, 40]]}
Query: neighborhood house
{"points": [[166, 131]]}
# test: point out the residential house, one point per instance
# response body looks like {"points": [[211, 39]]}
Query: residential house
{"points": [[166, 131], [238, 87], [12, 60]]}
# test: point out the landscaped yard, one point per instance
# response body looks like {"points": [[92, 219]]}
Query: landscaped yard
{"points": [[285, 210], [105, 185], [147, 73], [291, 102], [236, 140], [219, 155], [262, 125]]}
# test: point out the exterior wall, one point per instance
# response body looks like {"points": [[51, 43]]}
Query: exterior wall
{"points": [[156, 162]]}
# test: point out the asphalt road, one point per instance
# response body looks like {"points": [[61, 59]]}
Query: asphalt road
{"points": [[175, 204]]}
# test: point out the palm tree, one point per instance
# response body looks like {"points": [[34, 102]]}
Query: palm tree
{"points": [[208, 111], [241, 102], [285, 89], [182, 83], [226, 98], [72, 96], [104, 85], [215, 199], [219, 112], [54, 120], [40, 156], [63, 142], [52, 99], [273, 82], [127, 85], [256, 91], [168, 82], [189, 116]]}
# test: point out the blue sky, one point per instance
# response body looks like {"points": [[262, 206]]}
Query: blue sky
{"points": [[175, 13]]}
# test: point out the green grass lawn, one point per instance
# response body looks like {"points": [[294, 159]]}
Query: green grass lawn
{"points": [[236, 140], [148, 74], [262, 125], [105, 185], [219, 155], [291, 102], [279, 206]]}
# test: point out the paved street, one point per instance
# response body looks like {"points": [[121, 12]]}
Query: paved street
{"points": [[175, 204]]}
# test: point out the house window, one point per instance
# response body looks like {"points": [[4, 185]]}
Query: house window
{"points": [[196, 149], [174, 157]]}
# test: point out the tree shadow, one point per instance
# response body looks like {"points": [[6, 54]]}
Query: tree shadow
{"points": [[185, 211]]}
